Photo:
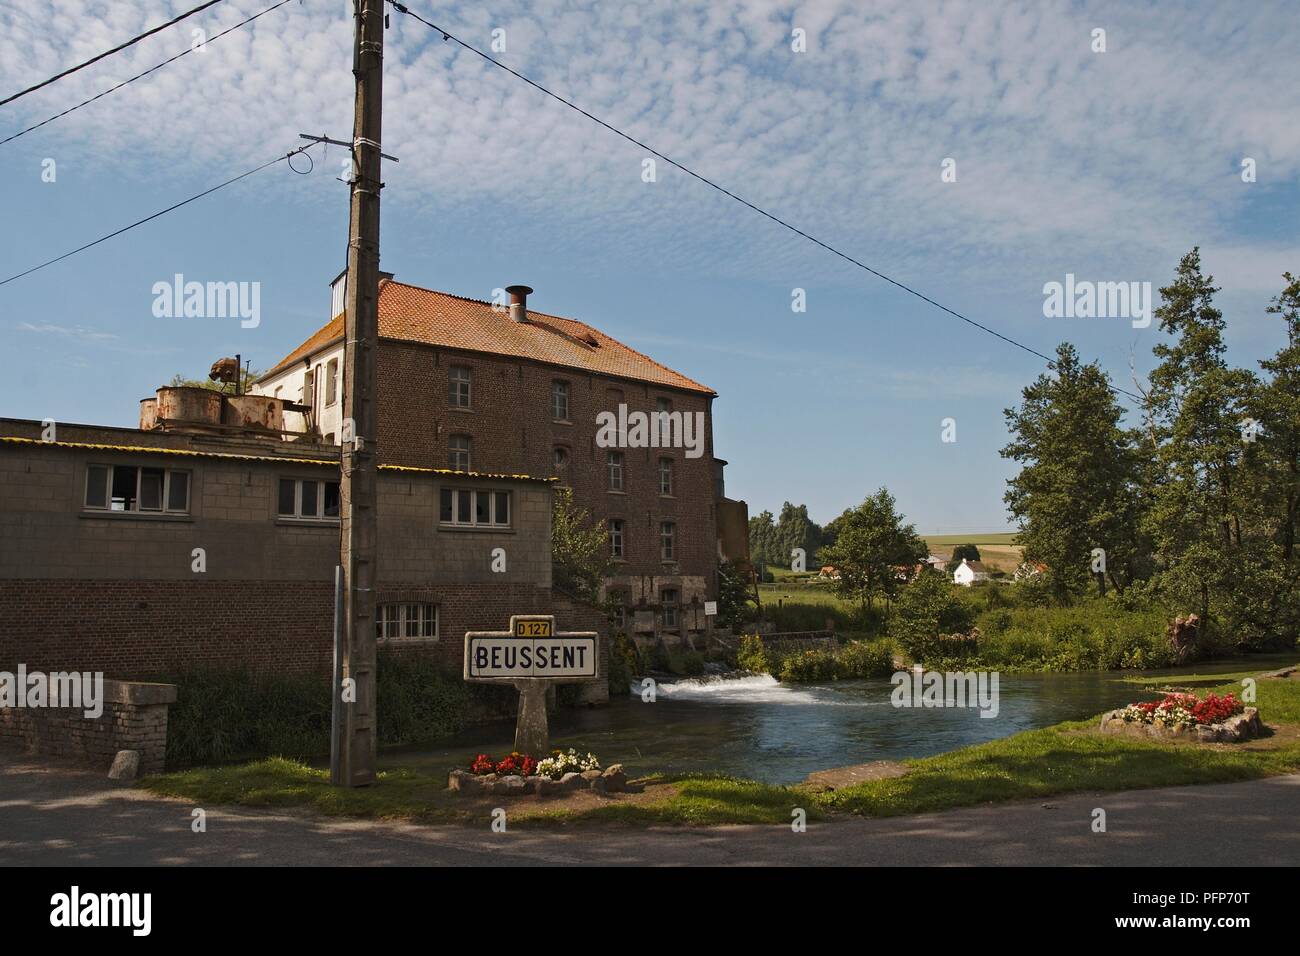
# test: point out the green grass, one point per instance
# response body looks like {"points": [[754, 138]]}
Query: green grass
{"points": [[1068, 757], [1060, 759]]}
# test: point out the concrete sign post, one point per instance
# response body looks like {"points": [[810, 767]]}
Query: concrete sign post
{"points": [[530, 655]]}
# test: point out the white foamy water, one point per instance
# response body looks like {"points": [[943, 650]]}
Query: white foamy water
{"points": [[751, 689]]}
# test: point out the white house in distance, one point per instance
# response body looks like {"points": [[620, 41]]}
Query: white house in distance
{"points": [[969, 572]]}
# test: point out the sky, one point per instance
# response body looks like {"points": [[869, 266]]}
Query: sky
{"points": [[974, 151]]}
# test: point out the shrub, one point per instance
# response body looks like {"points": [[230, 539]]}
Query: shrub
{"points": [[865, 659], [811, 665], [929, 607], [622, 664], [685, 662], [752, 656]]}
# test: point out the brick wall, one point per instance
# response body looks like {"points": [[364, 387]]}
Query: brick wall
{"points": [[511, 431], [134, 718]]}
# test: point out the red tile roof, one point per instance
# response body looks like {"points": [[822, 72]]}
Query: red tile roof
{"points": [[411, 314]]}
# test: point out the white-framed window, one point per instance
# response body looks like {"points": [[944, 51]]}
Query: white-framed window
{"points": [[308, 499], [332, 381], [616, 537], [667, 540], [137, 488], [408, 619], [471, 508], [309, 388], [459, 381], [668, 598], [665, 476], [458, 447], [560, 401], [614, 465]]}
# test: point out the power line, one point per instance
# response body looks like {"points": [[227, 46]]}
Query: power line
{"points": [[121, 46], [113, 89], [162, 212], [402, 8]]}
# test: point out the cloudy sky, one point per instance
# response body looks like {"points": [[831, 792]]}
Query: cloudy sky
{"points": [[1105, 165]]}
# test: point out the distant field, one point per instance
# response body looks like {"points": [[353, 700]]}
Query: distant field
{"points": [[997, 550], [948, 540]]}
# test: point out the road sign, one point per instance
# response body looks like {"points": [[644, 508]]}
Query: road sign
{"points": [[531, 654]]}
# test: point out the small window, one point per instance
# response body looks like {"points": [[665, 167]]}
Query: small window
{"points": [[309, 388], [614, 463], [665, 476], [308, 499], [616, 538], [475, 509], [616, 601], [459, 378], [139, 489], [667, 540], [458, 453], [664, 409], [560, 401], [417, 621], [561, 459], [668, 600], [332, 382]]}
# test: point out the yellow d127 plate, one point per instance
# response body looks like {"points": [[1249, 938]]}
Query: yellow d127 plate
{"points": [[535, 628]]}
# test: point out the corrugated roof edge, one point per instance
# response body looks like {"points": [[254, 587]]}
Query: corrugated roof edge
{"points": [[155, 450]]}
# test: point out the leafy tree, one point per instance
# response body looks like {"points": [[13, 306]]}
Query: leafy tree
{"points": [[579, 549], [929, 608], [795, 529], [1078, 486], [872, 545], [733, 596], [763, 547], [1201, 518], [963, 551]]}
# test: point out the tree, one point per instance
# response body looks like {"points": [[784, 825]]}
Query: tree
{"points": [[795, 529], [968, 552], [762, 539], [1077, 491], [929, 608], [873, 551], [733, 596], [1201, 518], [579, 549]]}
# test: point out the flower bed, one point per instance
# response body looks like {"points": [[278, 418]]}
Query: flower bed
{"points": [[1214, 718], [518, 774]]}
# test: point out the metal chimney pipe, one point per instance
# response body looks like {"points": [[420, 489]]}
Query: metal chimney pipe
{"points": [[518, 302]]}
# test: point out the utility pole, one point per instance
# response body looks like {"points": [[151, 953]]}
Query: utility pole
{"points": [[355, 748]]}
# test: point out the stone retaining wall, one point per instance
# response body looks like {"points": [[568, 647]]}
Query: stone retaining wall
{"points": [[134, 718]]}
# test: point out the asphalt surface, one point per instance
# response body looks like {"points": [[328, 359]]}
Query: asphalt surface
{"points": [[55, 814]]}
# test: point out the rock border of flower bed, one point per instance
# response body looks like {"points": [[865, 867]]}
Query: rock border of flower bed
{"points": [[1243, 726], [610, 780]]}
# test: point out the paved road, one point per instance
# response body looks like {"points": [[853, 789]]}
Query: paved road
{"points": [[54, 814]]}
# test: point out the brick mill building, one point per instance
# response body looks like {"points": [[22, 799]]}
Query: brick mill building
{"points": [[467, 385]]}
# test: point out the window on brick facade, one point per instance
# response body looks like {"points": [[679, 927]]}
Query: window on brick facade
{"points": [[561, 458], [668, 599], [332, 382], [465, 507], [616, 540], [406, 620], [614, 465], [308, 498], [459, 378], [137, 488], [664, 407], [458, 447], [667, 540], [560, 401], [665, 476]]}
